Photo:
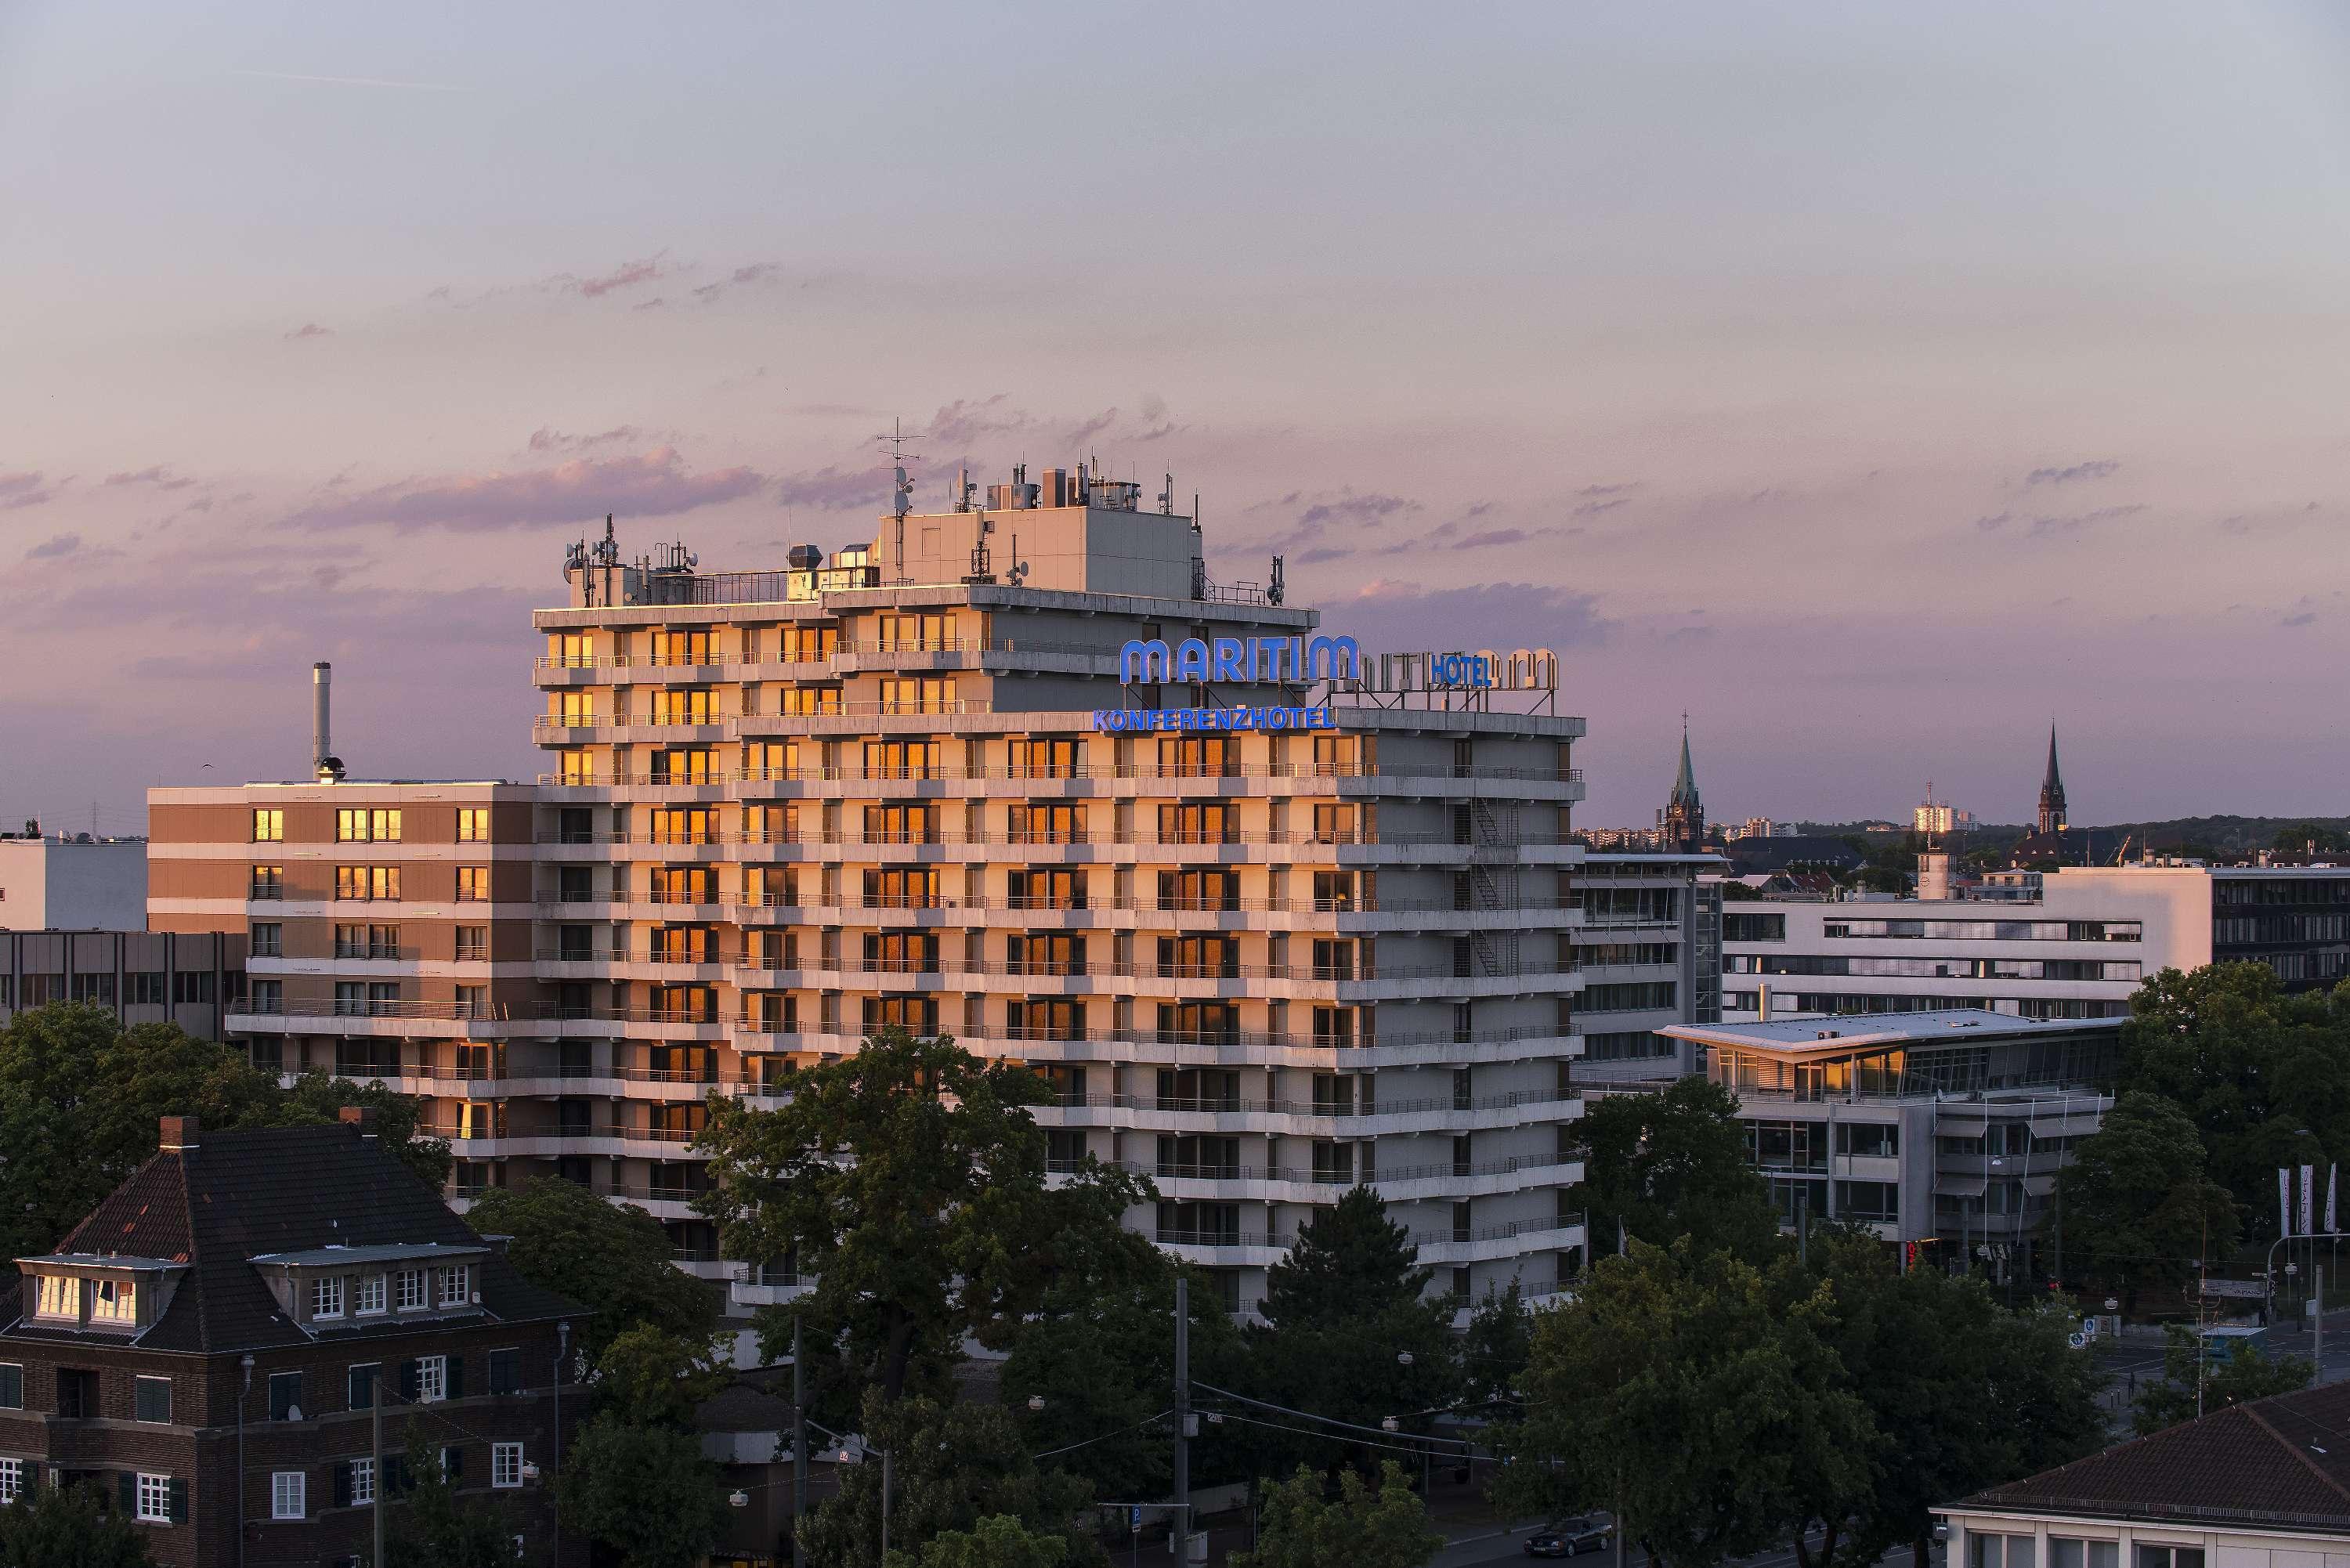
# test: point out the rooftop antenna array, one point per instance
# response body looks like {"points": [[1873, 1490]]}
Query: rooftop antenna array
{"points": [[901, 489], [1166, 498]]}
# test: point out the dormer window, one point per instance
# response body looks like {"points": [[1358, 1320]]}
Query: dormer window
{"points": [[326, 1296], [412, 1289], [371, 1295], [60, 1297], [455, 1285], [114, 1301]]}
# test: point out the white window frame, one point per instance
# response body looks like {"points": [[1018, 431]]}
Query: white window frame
{"points": [[505, 1465], [362, 1481], [60, 1297], [326, 1296], [415, 1290], [371, 1296], [455, 1285], [114, 1301], [431, 1379], [289, 1494], [154, 1496], [12, 1480]]}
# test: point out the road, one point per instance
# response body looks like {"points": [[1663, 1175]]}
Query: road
{"points": [[2141, 1360]]}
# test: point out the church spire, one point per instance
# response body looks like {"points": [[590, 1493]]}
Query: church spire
{"points": [[2051, 792], [1683, 819]]}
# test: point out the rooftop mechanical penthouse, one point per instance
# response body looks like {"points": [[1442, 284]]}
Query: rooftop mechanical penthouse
{"points": [[1272, 912]]}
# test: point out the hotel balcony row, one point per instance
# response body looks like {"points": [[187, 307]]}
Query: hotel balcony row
{"points": [[1021, 782], [1143, 1045]]}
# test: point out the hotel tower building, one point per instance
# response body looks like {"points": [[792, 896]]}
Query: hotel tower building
{"points": [[1272, 912]]}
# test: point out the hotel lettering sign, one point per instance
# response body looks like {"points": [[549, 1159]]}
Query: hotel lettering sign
{"points": [[1138, 721]]}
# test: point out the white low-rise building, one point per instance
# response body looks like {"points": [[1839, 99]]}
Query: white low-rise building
{"points": [[2079, 950], [1943, 1131], [81, 884]]}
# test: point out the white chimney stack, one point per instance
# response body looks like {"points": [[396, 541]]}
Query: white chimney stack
{"points": [[325, 766]]}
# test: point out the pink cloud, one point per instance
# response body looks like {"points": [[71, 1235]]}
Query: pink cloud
{"points": [[627, 274], [308, 329], [160, 477], [657, 484], [25, 487]]}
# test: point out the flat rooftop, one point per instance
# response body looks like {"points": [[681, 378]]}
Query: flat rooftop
{"points": [[1818, 1036]]}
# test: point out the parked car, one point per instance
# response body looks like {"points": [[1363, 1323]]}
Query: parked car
{"points": [[1569, 1538]]}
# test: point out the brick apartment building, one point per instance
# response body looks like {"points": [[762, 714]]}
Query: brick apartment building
{"points": [[205, 1346]]}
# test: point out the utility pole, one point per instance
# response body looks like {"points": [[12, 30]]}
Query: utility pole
{"points": [[1183, 1415], [799, 1450], [2317, 1324], [375, 1477]]}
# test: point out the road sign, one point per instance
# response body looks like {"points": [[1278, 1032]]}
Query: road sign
{"points": [[1134, 1517], [2250, 1290]]}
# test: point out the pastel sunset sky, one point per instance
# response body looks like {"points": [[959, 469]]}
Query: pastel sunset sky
{"points": [[1873, 381]]}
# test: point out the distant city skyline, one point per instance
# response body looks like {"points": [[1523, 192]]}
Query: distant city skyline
{"points": [[1875, 384]]}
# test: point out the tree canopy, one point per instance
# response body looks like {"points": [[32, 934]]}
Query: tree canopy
{"points": [[1303, 1527], [69, 1527], [1672, 1164], [612, 1258], [1343, 1312], [81, 1097], [910, 1178], [2190, 1385], [2264, 1077], [644, 1491], [953, 1467], [2138, 1208], [1680, 1392]]}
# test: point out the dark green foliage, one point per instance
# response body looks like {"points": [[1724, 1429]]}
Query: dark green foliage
{"points": [[81, 1097], [1100, 1351], [2264, 1077], [910, 1177], [649, 1378], [433, 1527], [1676, 1393], [1303, 1527], [1960, 1393], [998, 1541], [2138, 1208], [1674, 1164], [2247, 1375], [612, 1258], [69, 1527], [952, 1467], [645, 1493], [1343, 1307]]}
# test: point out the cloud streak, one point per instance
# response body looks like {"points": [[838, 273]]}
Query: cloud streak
{"points": [[2098, 468], [657, 484], [25, 487]]}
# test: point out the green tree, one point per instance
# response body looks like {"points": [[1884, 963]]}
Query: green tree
{"points": [[2138, 1208], [81, 1097], [1961, 1393], [2247, 1375], [1674, 1391], [612, 1258], [69, 1527], [1100, 1351], [952, 1467], [650, 1377], [1349, 1332], [2263, 1076], [433, 1527], [645, 1493], [1302, 1526], [910, 1178], [1673, 1163], [1494, 1351], [999, 1541]]}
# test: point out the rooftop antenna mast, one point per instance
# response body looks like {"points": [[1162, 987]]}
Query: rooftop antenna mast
{"points": [[901, 489]]}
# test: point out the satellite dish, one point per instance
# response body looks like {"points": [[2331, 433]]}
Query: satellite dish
{"points": [[293, 1412]]}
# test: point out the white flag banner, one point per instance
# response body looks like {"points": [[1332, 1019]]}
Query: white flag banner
{"points": [[2308, 1199], [2331, 1228], [2284, 1201]]}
